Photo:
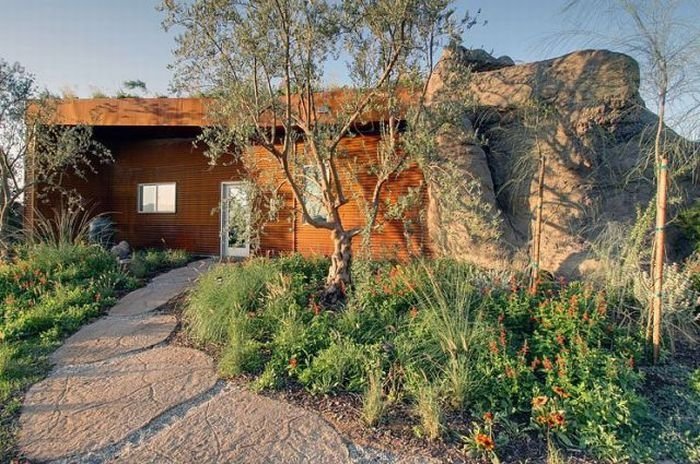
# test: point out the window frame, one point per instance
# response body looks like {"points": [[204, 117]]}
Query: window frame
{"points": [[139, 197]]}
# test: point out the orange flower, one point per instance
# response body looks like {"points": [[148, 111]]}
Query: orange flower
{"points": [[539, 402], [556, 419], [560, 391], [413, 312], [547, 364], [493, 347], [488, 417], [293, 363], [484, 441]]}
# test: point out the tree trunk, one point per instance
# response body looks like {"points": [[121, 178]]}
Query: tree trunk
{"points": [[659, 253], [339, 272], [657, 270]]}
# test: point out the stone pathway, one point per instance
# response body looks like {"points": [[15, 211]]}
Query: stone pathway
{"points": [[118, 394]]}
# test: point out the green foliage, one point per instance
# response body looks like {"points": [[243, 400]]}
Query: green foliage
{"points": [[689, 220], [443, 338], [146, 263], [46, 293]]}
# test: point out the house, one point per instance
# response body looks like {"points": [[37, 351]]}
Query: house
{"points": [[160, 190]]}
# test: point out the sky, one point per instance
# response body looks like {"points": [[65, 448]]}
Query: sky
{"points": [[85, 46]]}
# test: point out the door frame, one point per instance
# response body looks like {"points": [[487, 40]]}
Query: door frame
{"points": [[223, 238]]}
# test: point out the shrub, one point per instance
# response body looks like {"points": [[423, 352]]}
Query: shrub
{"points": [[342, 366], [146, 263]]}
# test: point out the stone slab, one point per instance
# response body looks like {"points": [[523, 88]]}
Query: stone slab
{"points": [[114, 336], [160, 290], [238, 426], [81, 409]]}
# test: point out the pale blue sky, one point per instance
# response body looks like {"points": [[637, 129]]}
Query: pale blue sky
{"points": [[90, 45], [86, 45]]}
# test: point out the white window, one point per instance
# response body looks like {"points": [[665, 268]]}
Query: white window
{"points": [[157, 198]]}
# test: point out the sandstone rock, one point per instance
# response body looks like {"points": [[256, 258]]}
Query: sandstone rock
{"points": [[583, 113], [480, 60], [111, 336], [238, 426], [122, 250], [82, 409]]}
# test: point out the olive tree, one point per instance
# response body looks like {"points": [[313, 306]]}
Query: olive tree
{"points": [[34, 152], [264, 63]]}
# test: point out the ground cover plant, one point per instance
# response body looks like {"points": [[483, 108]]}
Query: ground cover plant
{"points": [[46, 293], [442, 340]]}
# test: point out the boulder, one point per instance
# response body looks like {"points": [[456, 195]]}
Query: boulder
{"points": [[480, 60], [122, 250], [583, 113]]}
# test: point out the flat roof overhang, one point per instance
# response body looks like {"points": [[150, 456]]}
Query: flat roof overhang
{"points": [[192, 112], [134, 112]]}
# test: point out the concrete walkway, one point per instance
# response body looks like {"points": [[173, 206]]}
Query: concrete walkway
{"points": [[119, 394]]}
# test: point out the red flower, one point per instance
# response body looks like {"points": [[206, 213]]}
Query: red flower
{"points": [[488, 417], [561, 339], [560, 391], [484, 441]]}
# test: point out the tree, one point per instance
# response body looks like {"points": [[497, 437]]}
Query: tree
{"points": [[28, 141], [264, 62], [659, 35]]}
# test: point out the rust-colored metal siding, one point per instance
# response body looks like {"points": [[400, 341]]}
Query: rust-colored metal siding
{"points": [[195, 226]]}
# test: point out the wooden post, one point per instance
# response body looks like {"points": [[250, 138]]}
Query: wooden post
{"points": [[537, 233], [659, 254]]}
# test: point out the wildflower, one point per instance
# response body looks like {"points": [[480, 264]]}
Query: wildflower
{"points": [[535, 363], [539, 402], [488, 417], [502, 337], [484, 441], [546, 364], [630, 362], [510, 373], [293, 363], [524, 349], [560, 391], [561, 339], [413, 312], [493, 347], [556, 419]]}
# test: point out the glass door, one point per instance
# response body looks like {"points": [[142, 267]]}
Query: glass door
{"points": [[235, 220]]}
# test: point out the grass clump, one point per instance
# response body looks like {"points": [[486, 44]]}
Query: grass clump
{"points": [[373, 402]]}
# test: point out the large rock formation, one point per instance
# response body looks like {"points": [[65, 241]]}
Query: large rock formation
{"points": [[582, 112]]}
